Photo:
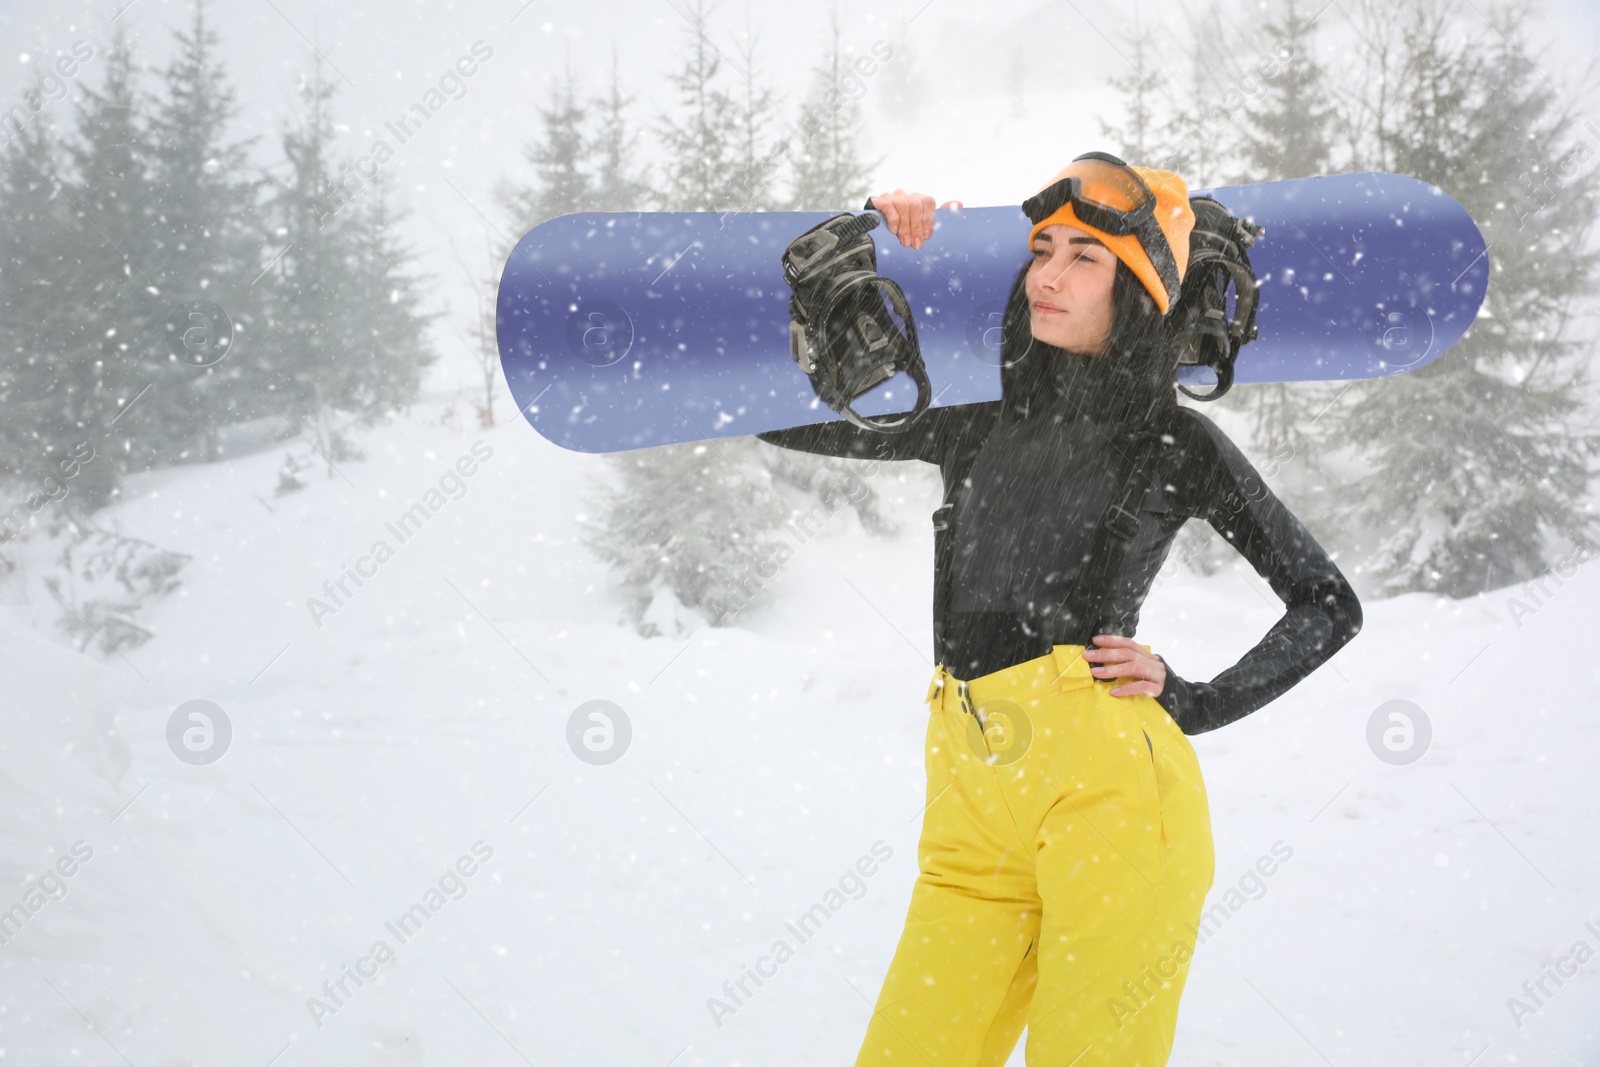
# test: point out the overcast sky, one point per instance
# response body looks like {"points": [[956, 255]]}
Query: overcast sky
{"points": [[979, 101]]}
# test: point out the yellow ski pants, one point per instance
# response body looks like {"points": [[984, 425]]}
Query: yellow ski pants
{"points": [[1064, 861]]}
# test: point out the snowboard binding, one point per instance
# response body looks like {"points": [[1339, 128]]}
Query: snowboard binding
{"points": [[844, 333], [1204, 334]]}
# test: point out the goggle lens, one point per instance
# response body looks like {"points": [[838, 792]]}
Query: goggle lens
{"points": [[1104, 194]]}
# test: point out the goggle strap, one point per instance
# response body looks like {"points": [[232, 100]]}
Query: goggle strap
{"points": [[1160, 252]]}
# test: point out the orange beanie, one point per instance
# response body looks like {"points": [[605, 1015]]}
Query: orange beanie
{"points": [[1173, 215]]}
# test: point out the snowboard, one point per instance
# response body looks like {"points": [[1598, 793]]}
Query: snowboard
{"points": [[625, 330]]}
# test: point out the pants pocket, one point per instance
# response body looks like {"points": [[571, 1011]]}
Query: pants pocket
{"points": [[1155, 787]]}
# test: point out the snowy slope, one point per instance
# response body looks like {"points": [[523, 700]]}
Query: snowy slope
{"points": [[427, 716]]}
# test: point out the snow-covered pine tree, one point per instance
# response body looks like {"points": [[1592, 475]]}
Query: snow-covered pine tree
{"points": [[1480, 469], [123, 324], [756, 158], [1370, 109], [699, 141], [1285, 128], [620, 180], [38, 248], [307, 288], [389, 352], [561, 183], [687, 523], [1141, 84], [208, 240], [1194, 128], [110, 578], [683, 524], [829, 173], [827, 478], [345, 328]]}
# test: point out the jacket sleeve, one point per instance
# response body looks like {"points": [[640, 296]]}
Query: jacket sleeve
{"points": [[923, 440], [1322, 612]]}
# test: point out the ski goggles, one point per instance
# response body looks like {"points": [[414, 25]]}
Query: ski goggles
{"points": [[1107, 195]]}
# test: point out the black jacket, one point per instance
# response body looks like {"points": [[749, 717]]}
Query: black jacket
{"points": [[1033, 494]]}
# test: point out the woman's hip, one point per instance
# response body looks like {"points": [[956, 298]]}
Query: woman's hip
{"points": [[1045, 732]]}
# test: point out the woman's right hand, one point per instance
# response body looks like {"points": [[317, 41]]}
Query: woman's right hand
{"points": [[909, 216]]}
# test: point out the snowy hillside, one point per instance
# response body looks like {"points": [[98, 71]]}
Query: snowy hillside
{"points": [[399, 797]]}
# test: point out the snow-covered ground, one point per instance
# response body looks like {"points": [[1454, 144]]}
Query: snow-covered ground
{"points": [[420, 733]]}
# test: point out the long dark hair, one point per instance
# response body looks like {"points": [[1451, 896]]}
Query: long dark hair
{"points": [[1128, 387]]}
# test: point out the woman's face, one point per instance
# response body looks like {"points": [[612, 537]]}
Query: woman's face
{"points": [[1069, 289]]}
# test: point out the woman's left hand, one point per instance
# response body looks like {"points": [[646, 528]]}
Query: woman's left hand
{"points": [[1123, 657]]}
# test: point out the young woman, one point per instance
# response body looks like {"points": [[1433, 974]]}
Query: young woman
{"points": [[1066, 846]]}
